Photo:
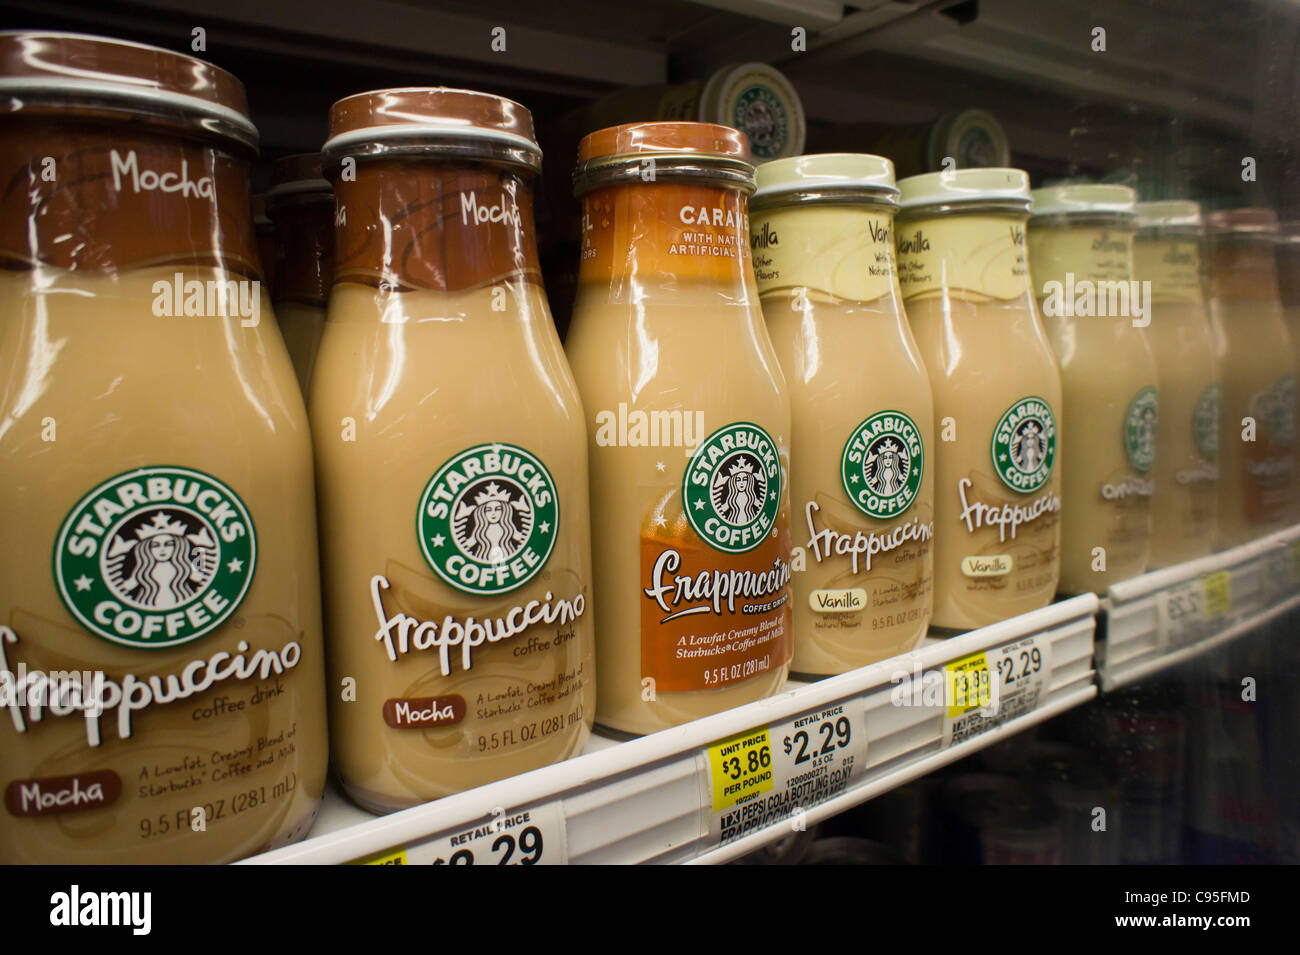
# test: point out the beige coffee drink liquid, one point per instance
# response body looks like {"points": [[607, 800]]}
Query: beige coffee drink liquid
{"points": [[822, 237], [688, 425], [964, 274], [160, 622], [1185, 503], [301, 202], [1257, 368], [1081, 256], [451, 459]]}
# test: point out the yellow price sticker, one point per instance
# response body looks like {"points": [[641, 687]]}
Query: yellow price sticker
{"points": [[1218, 593], [387, 857], [968, 684], [740, 767]]}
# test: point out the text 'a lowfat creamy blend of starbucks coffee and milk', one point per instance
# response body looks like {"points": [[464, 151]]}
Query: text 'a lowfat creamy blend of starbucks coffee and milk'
{"points": [[689, 428], [963, 269], [1081, 257], [862, 485], [451, 458], [160, 622]]}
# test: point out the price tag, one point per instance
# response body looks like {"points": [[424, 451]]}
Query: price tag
{"points": [[1218, 593], [1180, 615], [531, 836], [387, 857], [987, 689], [771, 775]]}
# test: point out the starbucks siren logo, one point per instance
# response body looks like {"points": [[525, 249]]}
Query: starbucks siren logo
{"points": [[882, 464], [731, 490], [1140, 429], [762, 115], [155, 557], [1024, 445], [488, 519], [1205, 422]]}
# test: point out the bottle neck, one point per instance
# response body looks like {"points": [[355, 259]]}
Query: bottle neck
{"points": [[1243, 270], [981, 255], [1172, 264], [304, 251]]}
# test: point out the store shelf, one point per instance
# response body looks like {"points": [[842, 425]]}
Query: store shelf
{"points": [[1161, 619], [653, 799]]}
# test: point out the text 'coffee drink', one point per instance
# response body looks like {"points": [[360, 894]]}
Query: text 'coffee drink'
{"points": [[964, 270], [160, 616], [689, 428], [451, 454], [822, 237]]}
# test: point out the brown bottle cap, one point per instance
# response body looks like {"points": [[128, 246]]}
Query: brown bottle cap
{"points": [[298, 177], [1255, 222], [677, 150], [422, 120], [45, 72]]}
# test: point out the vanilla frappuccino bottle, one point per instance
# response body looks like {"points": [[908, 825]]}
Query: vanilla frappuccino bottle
{"points": [[822, 237], [689, 428], [451, 458], [1257, 368], [301, 203], [1081, 256], [160, 615], [964, 273], [1185, 502]]}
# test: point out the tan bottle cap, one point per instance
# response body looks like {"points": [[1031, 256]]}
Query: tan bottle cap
{"points": [[298, 175], [839, 172], [1255, 221], [667, 150], [1085, 198], [1169, 214], [440, 120], [44, 72], [965, 185]]}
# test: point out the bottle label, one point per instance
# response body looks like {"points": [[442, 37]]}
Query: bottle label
{"points": [[1269, 459], [1073, 255], [155, 557], [842, 251], [1024, 445], [1205, 422], [882, 464], [1140, 424], [1172, 266], [980, 254]]}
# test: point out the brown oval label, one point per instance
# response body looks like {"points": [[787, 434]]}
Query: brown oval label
{"points": [[51, 795], [424, 712]]}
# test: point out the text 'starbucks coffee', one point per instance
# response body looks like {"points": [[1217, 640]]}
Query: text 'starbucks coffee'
{"points": [[301, 202], [1184, 507], [822, 237], [689, 428], [964, 272], [451, 454], [160, 623], [1081, 255], [1257, 371]]}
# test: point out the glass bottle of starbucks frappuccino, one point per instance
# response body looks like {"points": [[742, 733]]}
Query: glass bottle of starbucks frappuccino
{"points": [[1288, 280], [160, 614], [964, 273], [451, 458], [689, 428], [1185, 503], [822, 232], [1081, 256], [1257, 368]]}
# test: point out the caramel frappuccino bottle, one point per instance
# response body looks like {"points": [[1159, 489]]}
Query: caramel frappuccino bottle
{"points": [[451, 454], [862, 488], [1185, 503], [1081, 256], [1257, 369], [964, 273], [689, 428], [160, 615], [301, 203]]}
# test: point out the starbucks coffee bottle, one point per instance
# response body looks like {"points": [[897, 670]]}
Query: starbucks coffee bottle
{"points": [[301, 203], [451, 455], [1288, 277], [688, 424], [1257, 368], [964, 273], [160, 615], [1081, 256], [1185, 503], [822, 237]]}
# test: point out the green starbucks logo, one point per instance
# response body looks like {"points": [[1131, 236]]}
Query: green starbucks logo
{"points": [[1024, 445], [488, 519], [882, 464], [761, 114], [1205, 422], [731, 490], [1140, 425], [155, 557]]}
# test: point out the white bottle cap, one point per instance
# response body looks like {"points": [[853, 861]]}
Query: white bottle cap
{"points": [[1085, 198], [964, 185], [858, 172]]}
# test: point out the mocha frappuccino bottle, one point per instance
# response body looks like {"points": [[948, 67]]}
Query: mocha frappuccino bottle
{"points": [[822, 237], [1184, 506], [301, 202], [689, 428], [1081, 256], [451, 458], [964, 272], [160, 616]]}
